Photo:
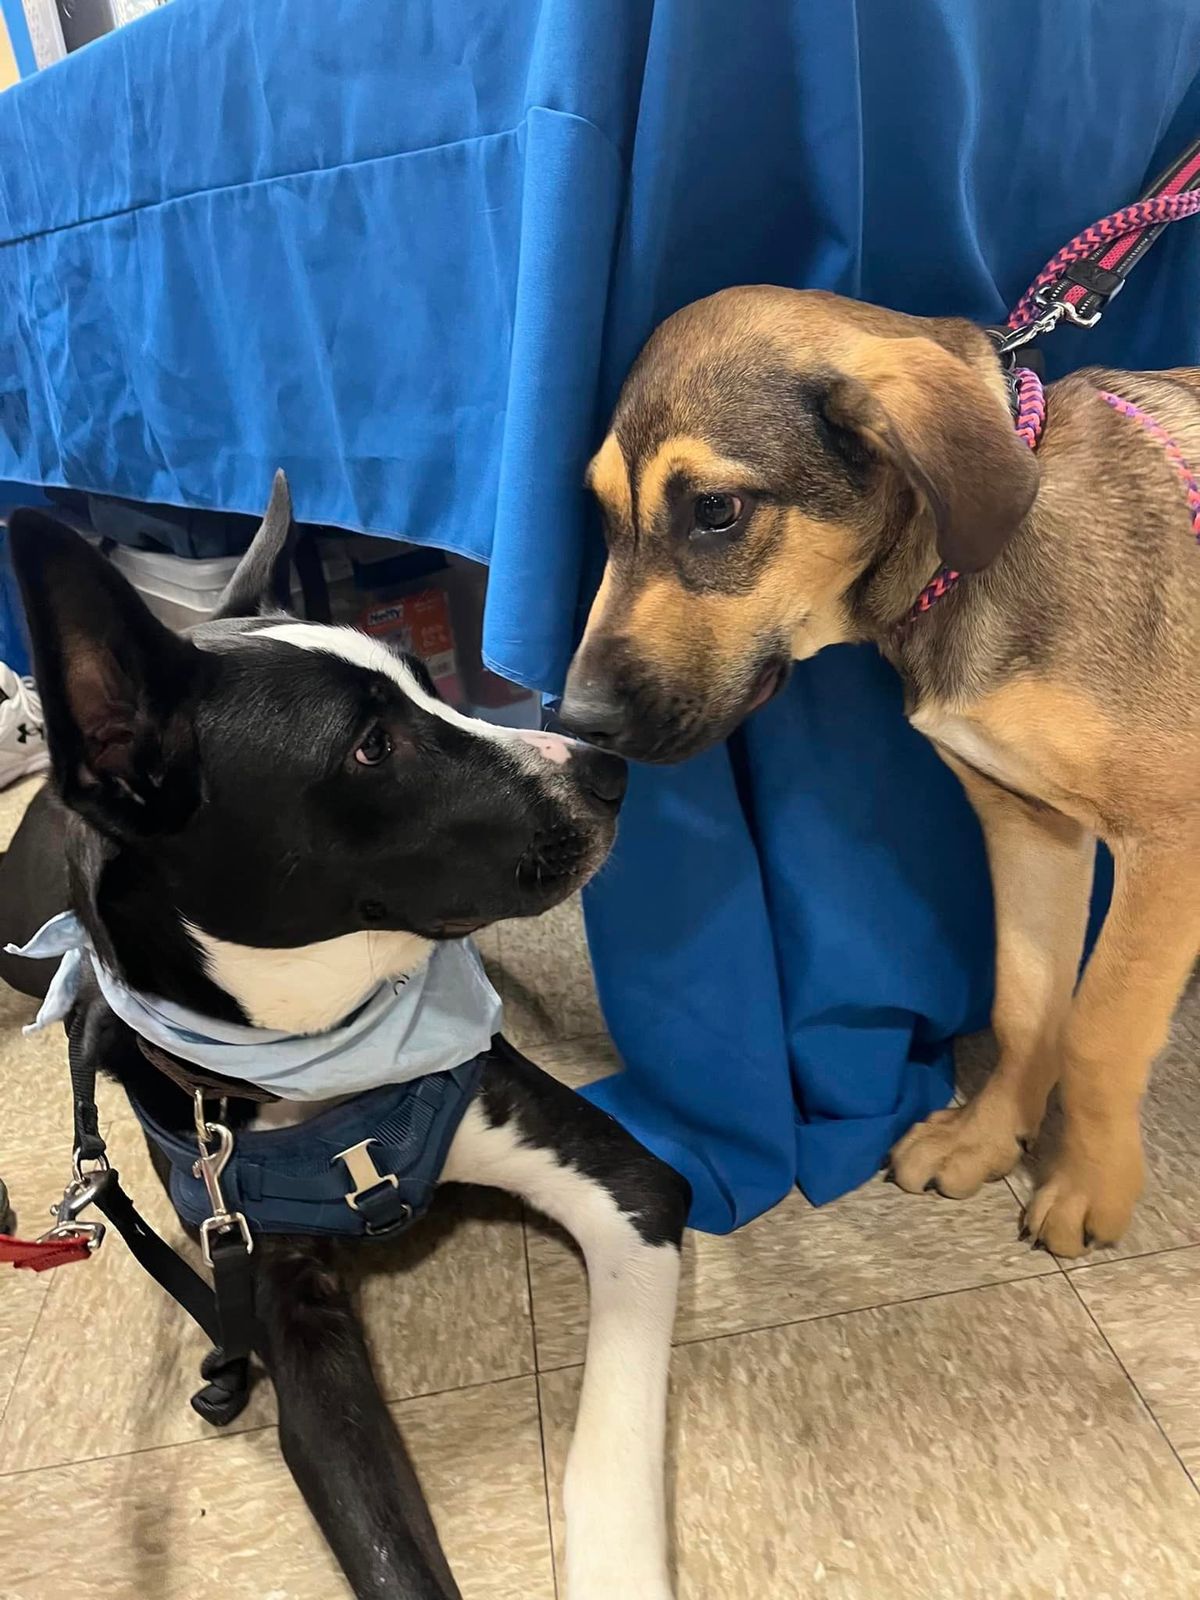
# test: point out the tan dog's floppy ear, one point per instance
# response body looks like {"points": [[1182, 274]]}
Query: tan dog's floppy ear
{"points": [[951, 435]]}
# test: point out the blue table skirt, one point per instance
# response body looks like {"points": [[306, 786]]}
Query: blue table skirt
{"points": [[407, 251]]}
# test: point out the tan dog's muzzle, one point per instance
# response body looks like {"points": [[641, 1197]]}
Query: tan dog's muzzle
{"points": [[662, 707]]}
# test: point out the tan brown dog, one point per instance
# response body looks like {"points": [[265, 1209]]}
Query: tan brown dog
{"points": [[786, 470]]}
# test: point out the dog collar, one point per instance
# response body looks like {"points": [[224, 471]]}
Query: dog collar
{"points": [[1076, 286], [444, 1013]]}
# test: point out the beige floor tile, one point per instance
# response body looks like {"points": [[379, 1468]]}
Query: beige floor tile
{"points": [[462, 1269], [115, 1360], [578, 1062], [126, 1384], [22, 1295], [35, 1134], [35, 1157], [35, 1109], [1149, 1310], [799, 1261], [978, 1445], [12, 806], [223, 1517], [546, 978]]}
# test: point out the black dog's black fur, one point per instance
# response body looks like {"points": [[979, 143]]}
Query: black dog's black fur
{"points": [[216, 781]]}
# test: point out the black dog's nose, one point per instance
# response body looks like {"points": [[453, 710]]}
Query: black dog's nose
{"points": [[604, 777], [593, 714]]}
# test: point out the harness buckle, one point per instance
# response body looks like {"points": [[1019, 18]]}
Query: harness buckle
{"points": [[209, 1166], [369, 1182]]}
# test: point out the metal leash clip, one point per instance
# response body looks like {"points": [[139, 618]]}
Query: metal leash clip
{"points": [[1009, 339], [1065, 308], [209, 1166], [77, 1196]]}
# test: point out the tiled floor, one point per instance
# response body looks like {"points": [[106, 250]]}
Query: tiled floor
{"points": [[889, 1399]]}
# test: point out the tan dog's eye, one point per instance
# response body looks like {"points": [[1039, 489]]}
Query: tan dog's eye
{"points": [[717, 513]]}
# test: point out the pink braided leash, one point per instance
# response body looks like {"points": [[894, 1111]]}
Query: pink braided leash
{"points": [[1123, 228], [1173, 453], [1031, 406]]}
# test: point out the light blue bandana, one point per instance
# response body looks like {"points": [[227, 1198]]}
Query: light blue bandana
{"points": [[441, 1015]]}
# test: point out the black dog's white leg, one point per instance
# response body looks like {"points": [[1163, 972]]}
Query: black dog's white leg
{"points": [[529, 1134], [336, 1433]]}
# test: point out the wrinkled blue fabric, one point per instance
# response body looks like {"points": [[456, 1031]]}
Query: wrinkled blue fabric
{"points": [[408, 252]]}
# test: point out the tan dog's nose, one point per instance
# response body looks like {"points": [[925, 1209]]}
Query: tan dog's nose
{"points": [[591, 710]]}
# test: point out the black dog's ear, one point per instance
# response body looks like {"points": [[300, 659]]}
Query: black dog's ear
{"points": [[263, 580], [115, 684]]}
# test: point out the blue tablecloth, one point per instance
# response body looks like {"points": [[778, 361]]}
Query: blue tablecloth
{"points": [[407, 251]]}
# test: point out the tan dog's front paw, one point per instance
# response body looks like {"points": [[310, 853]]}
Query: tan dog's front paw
{"points": [[1083, 1203], [957, 1151]]}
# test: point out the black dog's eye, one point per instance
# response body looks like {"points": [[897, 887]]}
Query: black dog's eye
{"points": [[376, 747], [716, 513]]}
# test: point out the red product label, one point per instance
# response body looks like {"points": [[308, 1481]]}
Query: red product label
{"points": [[419, 624]]}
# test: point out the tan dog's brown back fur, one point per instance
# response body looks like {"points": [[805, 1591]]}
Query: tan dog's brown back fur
{"points": [[1060, 678]]}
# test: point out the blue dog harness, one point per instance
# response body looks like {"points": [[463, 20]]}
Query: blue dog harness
{"points": [[406, 1062], [368, 1166]]}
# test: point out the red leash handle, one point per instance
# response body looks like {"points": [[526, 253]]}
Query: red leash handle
{"points": [[69, 1239], [39, 1255]]}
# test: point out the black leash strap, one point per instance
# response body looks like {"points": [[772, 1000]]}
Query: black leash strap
{"points": [[85, 1044], [165, 1265], [224, 1313]]}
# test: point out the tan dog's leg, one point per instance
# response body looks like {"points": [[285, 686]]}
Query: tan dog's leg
{"points": [[1041, 866], [1117, 1026]]}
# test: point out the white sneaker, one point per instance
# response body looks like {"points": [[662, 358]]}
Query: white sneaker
{"points": [[22, 737]]}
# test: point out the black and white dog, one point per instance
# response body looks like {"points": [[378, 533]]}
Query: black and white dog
{"points": [[259, 822]]}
